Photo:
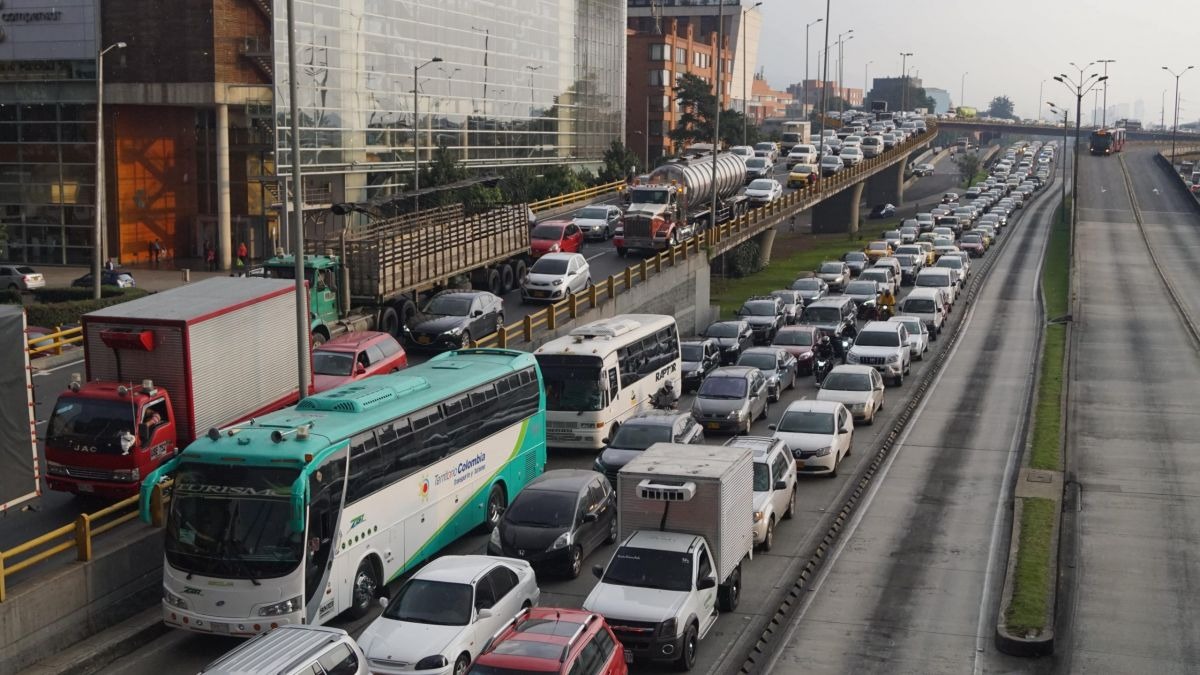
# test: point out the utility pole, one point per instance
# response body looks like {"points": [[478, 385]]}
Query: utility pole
{"points": [[842, 73], [417, 135], [1080, 89], [1175, 125], [904, 82], [303, 328], [824, 79], [1104, 109], [804, 86], [718, 52], [98, 233]]}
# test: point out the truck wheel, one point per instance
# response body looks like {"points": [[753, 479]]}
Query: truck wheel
{"points": [[366, 585], [407, 309], [492, 282], [389, 322], [520, 271], [687, 649], [729, 594], [319, 338], [506, 279]]}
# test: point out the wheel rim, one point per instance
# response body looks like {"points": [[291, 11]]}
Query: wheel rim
{"points": [[691, 646], [770, 540], [461, 666], [364, 588], [576, 560], [495, 509], [612, 530]]}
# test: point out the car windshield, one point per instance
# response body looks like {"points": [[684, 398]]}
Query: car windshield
{"points": [[233, 521], [912, 323], [650, 568], [847, 382], [756, 163], [723, 387], [876, 275], [862, 288], [798, 338], [830, 159], [762, 477], [439, 603], [549, 266], [802, 168], [822, 314], [972, 239], [634, 436], [856, 257], [447, 305], [542, 508], [831, 268], [648, 196], [760, 361], [806, 422], [761, 184], [807, 284], [572, 383], [722, 330], [760, 308], [332, 363], [952, 262], [764, 146], [592, 213], [547, 232], [918, 305], [92, 426], [877, 245], [933, 280], [877, 338], [692, 353]]}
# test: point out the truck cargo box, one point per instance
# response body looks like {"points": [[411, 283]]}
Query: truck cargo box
{"points": [[225, 348], [696, 489]]}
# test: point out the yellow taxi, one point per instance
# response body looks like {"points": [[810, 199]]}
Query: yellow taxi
{"points": [[802, 175], [877, 249]]}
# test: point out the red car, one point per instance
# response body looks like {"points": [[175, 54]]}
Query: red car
{"points": [[555, 236], [549, 640], [798, 341], [353, 356]]}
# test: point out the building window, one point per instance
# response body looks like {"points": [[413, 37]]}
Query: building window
{"points": [[660, 78], [701, 60], [660, 52], [681, 55]]}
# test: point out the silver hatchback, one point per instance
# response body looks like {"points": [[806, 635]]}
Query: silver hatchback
{"points": [[730, 399]]}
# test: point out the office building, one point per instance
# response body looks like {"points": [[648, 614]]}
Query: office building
{"points": [[941, 100]]}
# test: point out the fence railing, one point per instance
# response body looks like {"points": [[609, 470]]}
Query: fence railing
{"points": [[713, 241], [577, 196], [53, 343], [78, 535]]}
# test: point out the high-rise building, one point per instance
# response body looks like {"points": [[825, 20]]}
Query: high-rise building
{"points": [[743, 25], [941, 100], [1139, 110], [197, 116]]}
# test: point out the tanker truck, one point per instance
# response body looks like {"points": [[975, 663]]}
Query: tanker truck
{"points": [[675, 201]]}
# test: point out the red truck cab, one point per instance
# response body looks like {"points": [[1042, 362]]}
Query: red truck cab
{"points": [[103, 438]]}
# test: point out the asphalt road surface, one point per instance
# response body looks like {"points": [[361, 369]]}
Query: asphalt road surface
{"points": [[184, 652], [1135, 431]]}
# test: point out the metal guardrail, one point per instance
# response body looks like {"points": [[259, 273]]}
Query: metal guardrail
{"points": [[713, 241], [577, 196], [78, 535], [53, 343]]}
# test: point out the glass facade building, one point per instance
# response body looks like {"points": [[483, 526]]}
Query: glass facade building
{"points": [[519, 82]]}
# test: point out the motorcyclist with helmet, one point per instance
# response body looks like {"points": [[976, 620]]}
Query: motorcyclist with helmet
{"points": [[664, 398]]}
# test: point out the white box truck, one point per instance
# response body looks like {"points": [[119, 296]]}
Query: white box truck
{"points": [[686, 519]]}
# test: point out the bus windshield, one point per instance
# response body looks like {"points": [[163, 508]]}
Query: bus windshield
{"points": [[233, 522], [92, 425], [572, 384]]}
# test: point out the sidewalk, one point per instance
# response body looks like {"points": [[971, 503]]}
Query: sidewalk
{"points": [[168, 274]]}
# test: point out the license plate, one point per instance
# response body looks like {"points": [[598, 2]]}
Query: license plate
{"points": [[538, 294], [628, 656], [713, 425], [218, 627], [424, 339], [799, 464], [85, 487]]}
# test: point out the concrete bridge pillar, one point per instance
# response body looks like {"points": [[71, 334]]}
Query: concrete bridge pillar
{"points": [[839, 213], [887, 186], [765, 240]]}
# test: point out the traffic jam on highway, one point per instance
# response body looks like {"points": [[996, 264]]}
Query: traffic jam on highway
{"points": [[672, 459]]}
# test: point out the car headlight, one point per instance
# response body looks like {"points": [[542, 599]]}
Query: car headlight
{"points": [[457, 330], [286, 607], [851, 358], [735, 415], [858, 407], [494, 539], [893, 358], [431, 662], [563, 541], [730, 348], [174, 600], [56, 469], [553, 249], [758, 515], [822, 452], [557, 282], [126, 474], [668, 627]]}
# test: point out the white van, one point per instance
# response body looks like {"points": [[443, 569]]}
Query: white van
{"points": [[294, 650], [938, 277], [929, 305], [872, 146]]}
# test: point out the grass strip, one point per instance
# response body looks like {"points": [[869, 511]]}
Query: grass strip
{"points": [[731, 293], [1031, 588]]}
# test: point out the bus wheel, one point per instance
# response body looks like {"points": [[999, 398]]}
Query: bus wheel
{"points": [[494, 509], [366, 585]]}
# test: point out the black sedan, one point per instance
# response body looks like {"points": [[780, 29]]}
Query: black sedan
{"points": [[883, 211], [733, 337], [453, 318], [107, 278]]}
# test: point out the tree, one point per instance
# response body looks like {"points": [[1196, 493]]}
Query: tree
{"points": [[892, 91], [968, 166], [619, 161], [699, 106], [1002, 107]]}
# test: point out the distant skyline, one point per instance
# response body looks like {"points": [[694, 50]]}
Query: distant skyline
{"points": [[1005, 49]]}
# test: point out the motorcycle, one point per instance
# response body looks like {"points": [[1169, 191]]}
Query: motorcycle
{"points": [[821, 367], [664, 399]]}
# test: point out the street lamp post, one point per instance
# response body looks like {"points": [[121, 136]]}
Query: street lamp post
{"points": [[716, 143], [804, 87], [745, 101], [841, 73], [1062, 158], [1104, 109], [962, 89], [824, 79], [1038, 110], [1175, 125], [904, 82], [417, 135], [98, 234], [487, 37], [866, 77], [1080, 89]]}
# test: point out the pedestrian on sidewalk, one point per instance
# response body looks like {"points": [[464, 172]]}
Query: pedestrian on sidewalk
{"points": [[155, 252], [210, 256], [242, 254], [110, 265]]}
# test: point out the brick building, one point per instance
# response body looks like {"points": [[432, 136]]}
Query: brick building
{"points": [[767, 103], [654, 61]]}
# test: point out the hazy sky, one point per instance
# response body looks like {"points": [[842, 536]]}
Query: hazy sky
{"points": [[1005, 47]]}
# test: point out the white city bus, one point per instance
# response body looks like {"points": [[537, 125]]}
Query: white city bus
{"points": [[603, 372]]}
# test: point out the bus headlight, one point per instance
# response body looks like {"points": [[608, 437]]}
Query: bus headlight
{"points": [[285, 607], [563, 541], [173, 599]]}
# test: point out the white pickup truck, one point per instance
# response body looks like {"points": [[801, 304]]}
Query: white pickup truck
{"points": [[686, 517]]}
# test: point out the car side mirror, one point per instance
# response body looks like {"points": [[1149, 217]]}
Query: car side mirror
{"points": [[781, 485], [772, 427], [605, 440], [359, 369], [483, 613], [845, 430], [598, 571], [590, 518], [477, 313], [706, 582], [383, 602]]}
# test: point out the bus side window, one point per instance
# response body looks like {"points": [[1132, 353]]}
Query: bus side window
{"points": [[613, 388]]}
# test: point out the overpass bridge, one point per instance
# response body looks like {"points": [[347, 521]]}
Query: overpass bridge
{"points": [[982, 129]]}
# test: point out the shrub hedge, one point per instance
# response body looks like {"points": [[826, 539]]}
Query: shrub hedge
{"points": [[67, 312]]}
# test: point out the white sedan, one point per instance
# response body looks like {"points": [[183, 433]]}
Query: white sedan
{"points": [[764, 191], [819, 433], [443, 615], [555, 276], [918, 335], [859, 388]]}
